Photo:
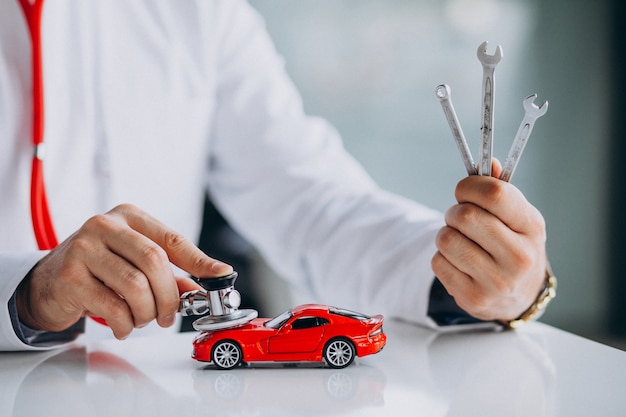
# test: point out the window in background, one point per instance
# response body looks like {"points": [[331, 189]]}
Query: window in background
{"points": [[371, 69]]}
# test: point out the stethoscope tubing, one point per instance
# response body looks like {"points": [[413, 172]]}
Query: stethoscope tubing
{"points": [[43, 227]]}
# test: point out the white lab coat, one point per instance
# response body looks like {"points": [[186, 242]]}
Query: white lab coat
{"points": [[154, 102]]}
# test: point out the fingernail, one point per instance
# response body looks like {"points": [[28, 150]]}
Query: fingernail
{"points": [[168, 320], [221, 268]]}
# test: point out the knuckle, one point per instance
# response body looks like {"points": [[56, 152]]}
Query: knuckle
{"points": [[173, 240], [155, 256], [451, 242], [78, 244], [124, 208], [98, 222], [198, 263], [440, 267], [135, 282], [444, 273], [461, 187], [436, 262], [504, 287], [495, 191], [117, 311], [523, 260], [143, 315], [466, 213], [468, 256], [446, 238]]}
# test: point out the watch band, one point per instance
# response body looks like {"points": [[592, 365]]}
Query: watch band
{"points": [[547, 293]]}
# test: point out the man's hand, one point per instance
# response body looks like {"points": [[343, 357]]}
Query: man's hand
{"points": [[116, 266], [492, 256]]}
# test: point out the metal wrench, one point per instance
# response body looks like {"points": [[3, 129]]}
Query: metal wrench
{"points": [[531, 113], [489, 63], [444, 95]]}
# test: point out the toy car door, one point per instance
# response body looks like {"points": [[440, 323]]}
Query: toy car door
{"points": [[301, 335]]}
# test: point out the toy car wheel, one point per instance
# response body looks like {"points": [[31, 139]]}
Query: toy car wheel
{"points": [[339, 353], [226, 354]]}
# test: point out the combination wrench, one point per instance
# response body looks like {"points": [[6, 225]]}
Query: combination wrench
{"points": [[489, 63], [531, 113], [444, 95]]}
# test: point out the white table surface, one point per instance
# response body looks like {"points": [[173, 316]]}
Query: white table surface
{"points": [[534, 371]]}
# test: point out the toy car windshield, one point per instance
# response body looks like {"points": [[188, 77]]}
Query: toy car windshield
{"points": [[279, 320]]}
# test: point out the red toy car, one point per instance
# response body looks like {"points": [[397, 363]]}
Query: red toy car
{"points": [[307, 333]]}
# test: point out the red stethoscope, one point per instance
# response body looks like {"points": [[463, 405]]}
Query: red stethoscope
{"points": [[40, 214], [220, 298], [42, 221]]}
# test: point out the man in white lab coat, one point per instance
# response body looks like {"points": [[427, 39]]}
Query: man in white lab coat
{"points": [[151, 104]]}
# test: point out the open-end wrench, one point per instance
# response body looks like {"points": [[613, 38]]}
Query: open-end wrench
{"points": [[489, 63], [444, 95], [531, 113]]}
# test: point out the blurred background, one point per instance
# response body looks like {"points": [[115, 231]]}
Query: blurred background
{"points": [[371, 69]]}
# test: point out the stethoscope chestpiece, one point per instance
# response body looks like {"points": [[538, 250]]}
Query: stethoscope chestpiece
{"points": [[220, 299]]}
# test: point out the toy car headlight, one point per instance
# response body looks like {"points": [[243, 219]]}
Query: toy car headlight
{"points": [[202, 337]]}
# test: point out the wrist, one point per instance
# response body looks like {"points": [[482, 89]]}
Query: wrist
{"points": [[537, 308], [23, 304]]}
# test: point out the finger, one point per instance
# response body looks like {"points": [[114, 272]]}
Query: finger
{"points": [[155, 245], [503, 200], [465, 255], [446, 271], [180, 251], [135, 267], [496, 168], [469, 294], [101, 301], [187, 284], [147, 280], [458, 284], [482, 228], [128, 282]]}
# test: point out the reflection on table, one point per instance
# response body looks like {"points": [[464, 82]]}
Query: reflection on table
{"points": [[538, 371]]}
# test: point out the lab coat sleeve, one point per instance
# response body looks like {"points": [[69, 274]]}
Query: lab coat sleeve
{"points": [[13, 268], [284, 180]]}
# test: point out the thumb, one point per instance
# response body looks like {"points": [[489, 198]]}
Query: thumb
{"points": [[186, 284], [496, 168]]}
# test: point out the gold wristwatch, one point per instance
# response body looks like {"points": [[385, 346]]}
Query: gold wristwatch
{"points": [[547, 293]]}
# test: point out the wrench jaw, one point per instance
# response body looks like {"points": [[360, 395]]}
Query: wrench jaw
{"points": [[531, 108], [488, 63], [531, 113], [486, 59]]}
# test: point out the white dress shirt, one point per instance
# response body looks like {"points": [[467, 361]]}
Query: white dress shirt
{"points": [[155, 102]]}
